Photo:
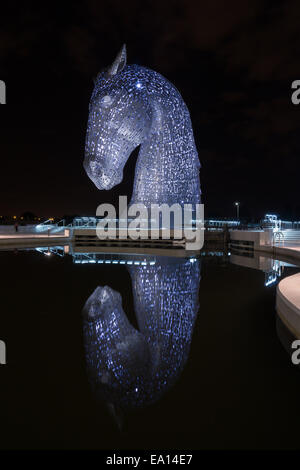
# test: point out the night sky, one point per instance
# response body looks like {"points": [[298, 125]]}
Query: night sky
{"points": [[232, 61]]}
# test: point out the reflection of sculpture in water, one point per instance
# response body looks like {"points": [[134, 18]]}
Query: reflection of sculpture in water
{"points": [[131, 106], [130, 368]]}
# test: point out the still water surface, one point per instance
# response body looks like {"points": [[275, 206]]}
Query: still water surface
{"points": [[172, 353]]}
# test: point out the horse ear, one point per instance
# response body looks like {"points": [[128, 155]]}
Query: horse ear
{"points": [[119, 62]]}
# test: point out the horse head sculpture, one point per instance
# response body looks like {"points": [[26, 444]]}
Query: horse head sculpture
{"points": [[130, 106], [130, 368]]}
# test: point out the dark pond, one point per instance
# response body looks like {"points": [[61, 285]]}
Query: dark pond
{"points": [[172, 353]]}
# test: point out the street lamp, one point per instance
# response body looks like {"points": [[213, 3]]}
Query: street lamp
{"points": [[237, 205]]}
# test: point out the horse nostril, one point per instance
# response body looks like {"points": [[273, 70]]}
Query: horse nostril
{"points": [[93, 165]]}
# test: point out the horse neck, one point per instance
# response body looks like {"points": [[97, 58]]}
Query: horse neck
{"points": [[167, 155], [164, 294], [172, 136]]}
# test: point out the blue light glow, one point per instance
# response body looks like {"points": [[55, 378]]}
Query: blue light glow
{"points": [[131, 106], [132, 367]]}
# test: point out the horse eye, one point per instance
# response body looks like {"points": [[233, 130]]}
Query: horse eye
{"points": [[106, 100]]}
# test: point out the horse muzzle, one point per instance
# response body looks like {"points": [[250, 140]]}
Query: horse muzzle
{"points": [[104, 179]]}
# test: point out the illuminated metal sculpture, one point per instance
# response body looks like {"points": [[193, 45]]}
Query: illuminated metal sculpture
{"points": [[130, 368], [131, 106]]}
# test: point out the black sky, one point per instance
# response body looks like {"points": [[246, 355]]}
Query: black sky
{"points": [[232, 61]]}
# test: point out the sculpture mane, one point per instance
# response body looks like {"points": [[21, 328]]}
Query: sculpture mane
{"points": [[131, 106]]}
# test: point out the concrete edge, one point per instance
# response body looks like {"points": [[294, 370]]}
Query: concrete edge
{"points": [[33, 242], [283, 252], [288, 302]]}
